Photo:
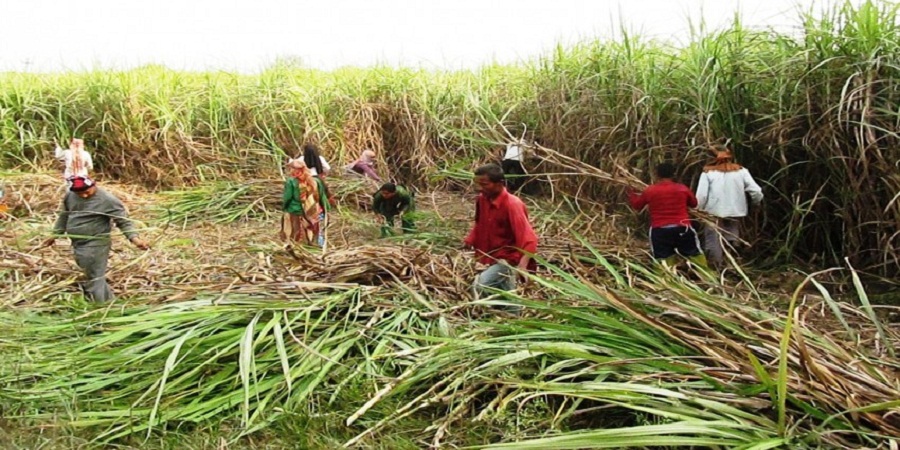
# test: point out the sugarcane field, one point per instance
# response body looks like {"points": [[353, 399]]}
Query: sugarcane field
{"points": [[620, 244]]}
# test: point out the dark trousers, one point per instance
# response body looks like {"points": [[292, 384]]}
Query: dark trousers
{"points": [[407, 219], [407, 224], [666, 241], [515, 174]]}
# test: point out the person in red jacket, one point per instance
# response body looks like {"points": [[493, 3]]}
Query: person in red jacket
{"points": [[670, 224], [502, 236]]}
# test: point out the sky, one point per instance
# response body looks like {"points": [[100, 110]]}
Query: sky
{"points": [[248, 36]]}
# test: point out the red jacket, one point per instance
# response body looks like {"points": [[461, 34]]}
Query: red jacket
{"points": [[669, 202], [502, 230]]}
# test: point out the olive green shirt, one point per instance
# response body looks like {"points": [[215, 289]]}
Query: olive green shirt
{"points": [[88, 221], [399, 203]]}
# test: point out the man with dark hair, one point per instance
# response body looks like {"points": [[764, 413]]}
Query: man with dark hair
{"points": [[392, 200], [502, 236], [86, 216], [670, 224]]}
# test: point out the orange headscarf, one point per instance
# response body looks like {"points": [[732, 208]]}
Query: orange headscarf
{"points": [[724, 162]]}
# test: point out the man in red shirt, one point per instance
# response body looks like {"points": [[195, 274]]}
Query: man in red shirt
{"points": [[502, 236], [670, 224]]}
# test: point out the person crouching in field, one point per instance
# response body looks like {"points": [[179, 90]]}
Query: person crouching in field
{"points": [[365, 165], [391, 201], [300, 204], [670, 224], [722, 192], [502, 236], [86, 217]]}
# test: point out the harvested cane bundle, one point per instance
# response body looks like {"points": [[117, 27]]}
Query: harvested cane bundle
{"points": [[377, 265]]}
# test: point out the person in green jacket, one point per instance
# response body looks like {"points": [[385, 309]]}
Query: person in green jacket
{"points": [[392, 200], [300, 203]]}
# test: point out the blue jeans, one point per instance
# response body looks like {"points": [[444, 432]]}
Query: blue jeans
{"points": [[498, 276], [322, 223]]}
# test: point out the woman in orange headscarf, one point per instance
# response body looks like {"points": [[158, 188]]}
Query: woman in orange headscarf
{"points": [[300, 204]]}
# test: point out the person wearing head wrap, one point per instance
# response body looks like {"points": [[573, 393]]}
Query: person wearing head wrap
{"points": [[319, 168], [722, 192], [365, 165], [326, 204], [78, 162], [86, 217], [300, 203]]}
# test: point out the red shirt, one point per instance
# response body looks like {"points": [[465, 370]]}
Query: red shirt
{"points": [[669, 202], [501, 230]]}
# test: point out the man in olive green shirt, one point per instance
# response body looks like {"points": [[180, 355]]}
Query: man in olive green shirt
{"points": [[86, 216], [392, 200]]}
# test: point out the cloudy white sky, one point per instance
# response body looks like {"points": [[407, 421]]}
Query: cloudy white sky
{"points": [[248, 35]]}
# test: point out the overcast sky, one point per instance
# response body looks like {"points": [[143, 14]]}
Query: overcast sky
{"points": [[246, 36]]}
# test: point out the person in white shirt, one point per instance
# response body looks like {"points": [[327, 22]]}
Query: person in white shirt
{"points": [[78, 162], [512, 166], [314, 161], [722, 192]]}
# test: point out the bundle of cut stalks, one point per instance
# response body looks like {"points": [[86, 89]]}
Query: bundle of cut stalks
{"points": [[221, 202], [29, 278], [163, 276], [33, 194], [419, 267]]}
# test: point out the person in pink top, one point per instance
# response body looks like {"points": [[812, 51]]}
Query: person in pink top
{"points": [[365, 165], [671, 232]]}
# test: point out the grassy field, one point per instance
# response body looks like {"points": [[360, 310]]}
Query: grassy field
{"points": [[225, 339]]}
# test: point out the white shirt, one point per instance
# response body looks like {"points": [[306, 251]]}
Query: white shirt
{"points": [[77, 164], [325, 167], [513, 152], [722, 194]]}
